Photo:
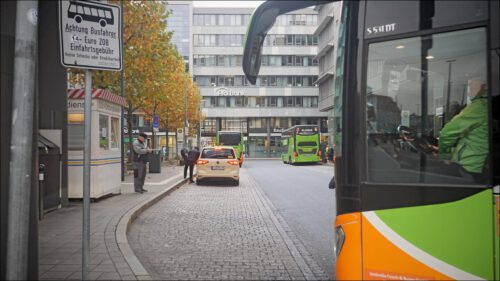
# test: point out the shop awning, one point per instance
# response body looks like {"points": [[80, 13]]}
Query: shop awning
{"points": [[98, 94]]}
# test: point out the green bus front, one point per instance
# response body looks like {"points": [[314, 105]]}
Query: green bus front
{"points": [[234, 139], [300, 144]]}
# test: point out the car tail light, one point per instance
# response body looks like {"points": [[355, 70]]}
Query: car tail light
{"points": [[233, 162], [295, 154], [201, 162]]}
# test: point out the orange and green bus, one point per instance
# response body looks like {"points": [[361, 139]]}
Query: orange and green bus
{"points": [[417, 135], [234, 139], [300, 144]]}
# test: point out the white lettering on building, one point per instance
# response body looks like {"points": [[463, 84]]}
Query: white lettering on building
{"points": [[228, 92]]}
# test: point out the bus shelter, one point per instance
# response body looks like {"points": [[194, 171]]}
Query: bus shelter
{"points": [[105, 143]]}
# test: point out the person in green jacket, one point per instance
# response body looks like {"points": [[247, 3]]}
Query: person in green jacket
{"points": [[465, 137]]}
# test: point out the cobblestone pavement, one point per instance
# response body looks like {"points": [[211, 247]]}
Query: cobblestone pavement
{"points": [[60, 234], [219, 232]]}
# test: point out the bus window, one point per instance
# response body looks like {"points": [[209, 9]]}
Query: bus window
{"points": [[80, 9], [87, 11], [101, 13], [94, 12], [427, 101], [108, 14], [72, 8]]}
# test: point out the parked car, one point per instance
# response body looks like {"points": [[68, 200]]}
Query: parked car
{"points": [[218, 163]]}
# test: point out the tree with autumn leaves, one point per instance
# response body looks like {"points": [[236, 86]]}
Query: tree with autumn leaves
{"points": [[155, 78]]}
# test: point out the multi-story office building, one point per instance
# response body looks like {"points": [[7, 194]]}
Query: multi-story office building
{"points": [[327, 32], [285, 93], [179, 22]]}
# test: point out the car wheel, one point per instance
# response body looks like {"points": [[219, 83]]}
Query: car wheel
{"points": [[237, 182], [78, 19], [198, 182]]}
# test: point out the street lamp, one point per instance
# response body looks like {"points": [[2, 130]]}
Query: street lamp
{"points": [[202, 104]]}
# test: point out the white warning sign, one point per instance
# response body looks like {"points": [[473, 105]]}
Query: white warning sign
{"points": [[90, 35]]}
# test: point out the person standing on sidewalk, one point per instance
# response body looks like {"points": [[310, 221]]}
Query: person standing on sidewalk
{"points": [[330, 154], [140, 160], [193, 156], [184, 154]]}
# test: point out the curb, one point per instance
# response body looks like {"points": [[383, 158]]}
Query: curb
{"points": [[124, 224]]}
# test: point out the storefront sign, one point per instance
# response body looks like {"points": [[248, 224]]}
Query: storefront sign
{"points": [[228, 92], [90, 35], [134, 131], [75, 104]]}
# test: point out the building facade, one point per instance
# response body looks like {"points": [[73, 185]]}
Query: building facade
{"points": [[179, 22], [285, 93], [327, 32]]}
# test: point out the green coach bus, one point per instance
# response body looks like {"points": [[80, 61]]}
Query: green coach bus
{"points": [[417, 135], [234, 139], [300, 144]]}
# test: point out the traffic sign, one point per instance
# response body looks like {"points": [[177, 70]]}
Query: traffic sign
{"points": [[156, 121], [90, 35]]}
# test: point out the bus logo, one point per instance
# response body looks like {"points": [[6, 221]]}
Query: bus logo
{"points": [[89, 12]]}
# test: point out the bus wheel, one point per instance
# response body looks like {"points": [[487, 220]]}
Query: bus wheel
{"points": [[102, 23], [78, 19]]}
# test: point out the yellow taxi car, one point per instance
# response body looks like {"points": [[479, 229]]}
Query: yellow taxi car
{"points": [[218, 163]]}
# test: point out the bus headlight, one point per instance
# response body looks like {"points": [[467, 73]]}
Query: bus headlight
{"points": [[339, 240]]}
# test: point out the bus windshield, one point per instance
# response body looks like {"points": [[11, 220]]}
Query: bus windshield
{"points": [[229, 139]]}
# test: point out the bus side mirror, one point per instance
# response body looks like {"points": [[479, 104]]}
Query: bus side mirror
{"points": [[332, 183]]}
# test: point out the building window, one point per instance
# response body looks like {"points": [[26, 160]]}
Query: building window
{"points": [[76, 131], [298, 101], [239, 101], [273, 101], [261, 101], [115, 132], [103, 131]]}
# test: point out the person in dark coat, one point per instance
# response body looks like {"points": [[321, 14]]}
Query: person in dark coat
{"points": [[323, 148], [184, 154], [330, 154], [140, 159], [192, 157]]}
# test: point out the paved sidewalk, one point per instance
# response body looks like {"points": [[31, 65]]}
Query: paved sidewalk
{"points": [[60, 233], [214, 232]]}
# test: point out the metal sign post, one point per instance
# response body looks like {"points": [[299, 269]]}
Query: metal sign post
{"points": [[90, 38], [86, 176]]}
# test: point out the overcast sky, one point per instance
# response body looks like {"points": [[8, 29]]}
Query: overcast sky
{"points": [[217, 4]]}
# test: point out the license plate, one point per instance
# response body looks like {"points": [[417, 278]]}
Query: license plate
{"points": [[217, 168]]}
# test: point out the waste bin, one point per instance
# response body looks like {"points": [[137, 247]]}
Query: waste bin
{"points": [[49, 155], [155, 162]]}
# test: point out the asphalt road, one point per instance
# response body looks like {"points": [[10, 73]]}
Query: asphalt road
{"points": [[302, 197]]}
